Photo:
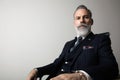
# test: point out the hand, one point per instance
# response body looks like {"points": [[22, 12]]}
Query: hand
{"points": [[32, 75], [69, 76]]}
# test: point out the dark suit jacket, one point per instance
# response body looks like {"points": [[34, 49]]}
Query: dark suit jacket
{"points": [[93, 55]]}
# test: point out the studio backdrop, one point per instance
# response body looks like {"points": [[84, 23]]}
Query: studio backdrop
{"points": [[33, 32]]}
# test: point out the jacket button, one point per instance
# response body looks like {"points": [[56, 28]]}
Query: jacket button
{"points": [[62, 70], [66, 62]]}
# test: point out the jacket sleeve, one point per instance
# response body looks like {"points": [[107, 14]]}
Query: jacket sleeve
{"points": [[53, 67], [107, 67]]}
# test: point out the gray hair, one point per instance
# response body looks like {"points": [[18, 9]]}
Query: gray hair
{"points": [[84, 7]]}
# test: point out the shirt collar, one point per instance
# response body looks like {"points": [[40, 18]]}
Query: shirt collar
{"points": [[83, 37]]}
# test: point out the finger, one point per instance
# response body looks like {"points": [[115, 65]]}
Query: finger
{"points": [[55, 78], [51, 79]]}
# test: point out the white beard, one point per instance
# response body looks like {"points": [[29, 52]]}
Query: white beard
{"points": [[83, 31]]}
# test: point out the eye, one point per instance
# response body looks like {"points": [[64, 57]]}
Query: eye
{"points": [[87, 17], [77, 18]]}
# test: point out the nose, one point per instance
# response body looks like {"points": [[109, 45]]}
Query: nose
{"points": [[82, 20]]}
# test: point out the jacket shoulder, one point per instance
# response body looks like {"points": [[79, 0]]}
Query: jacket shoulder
{"points": [[103, 34], [103, 37]]}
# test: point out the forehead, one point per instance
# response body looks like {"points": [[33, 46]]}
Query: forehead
{"points": [[81, 12]]}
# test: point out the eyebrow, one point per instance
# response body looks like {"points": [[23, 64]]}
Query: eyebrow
{"points": [[83, 15]]}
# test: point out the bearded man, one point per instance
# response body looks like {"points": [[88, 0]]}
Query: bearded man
{"points": [[87, 57]]}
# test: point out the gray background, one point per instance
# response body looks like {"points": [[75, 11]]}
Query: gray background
{"points": [[33, 32]]}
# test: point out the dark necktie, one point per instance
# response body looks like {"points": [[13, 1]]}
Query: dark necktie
{"points": [[76, 43]]}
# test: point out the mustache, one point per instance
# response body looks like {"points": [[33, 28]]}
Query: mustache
{"points": [[83, 24]]}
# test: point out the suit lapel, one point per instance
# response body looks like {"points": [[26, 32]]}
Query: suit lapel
{"points": [[70, 45], [85, 42], [79, 49]]}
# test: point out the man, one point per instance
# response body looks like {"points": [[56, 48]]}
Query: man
{"points": [[87, 57]]}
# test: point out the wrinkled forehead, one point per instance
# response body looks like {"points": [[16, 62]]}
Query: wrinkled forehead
{"points": [[81, 12], [85, 8]]}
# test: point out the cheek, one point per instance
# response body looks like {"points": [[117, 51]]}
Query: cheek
{"points": [[76, 23], [88, 22]]}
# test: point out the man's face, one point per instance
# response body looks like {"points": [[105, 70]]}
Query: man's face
{"points": [[82, 22]]}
